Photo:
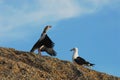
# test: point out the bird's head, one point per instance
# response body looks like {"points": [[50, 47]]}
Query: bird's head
{"points": [[48, 27], [74, 49]]}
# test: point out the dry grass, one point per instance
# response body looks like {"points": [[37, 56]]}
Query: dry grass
{"points": [[20, 65]]}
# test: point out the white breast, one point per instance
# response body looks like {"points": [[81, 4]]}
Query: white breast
{"points": [[75, 54]]}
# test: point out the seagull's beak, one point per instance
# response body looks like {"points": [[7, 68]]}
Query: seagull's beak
{"points": [[71, 49]]}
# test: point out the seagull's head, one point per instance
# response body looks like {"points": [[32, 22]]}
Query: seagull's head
{"points": [[74, 49]]}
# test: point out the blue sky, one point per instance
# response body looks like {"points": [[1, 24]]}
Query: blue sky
{"points": [[91, 25]]}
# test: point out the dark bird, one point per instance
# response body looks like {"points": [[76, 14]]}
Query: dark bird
{"points": [[79, 60], [44, 43]]}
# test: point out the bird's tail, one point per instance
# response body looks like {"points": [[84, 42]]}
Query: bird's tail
{"points": [[91, 64]]}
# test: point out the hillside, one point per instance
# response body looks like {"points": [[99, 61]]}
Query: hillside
{"points": [[20, 65]]}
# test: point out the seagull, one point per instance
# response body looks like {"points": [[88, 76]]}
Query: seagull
{"points": [[79, 60], [44, 43]]}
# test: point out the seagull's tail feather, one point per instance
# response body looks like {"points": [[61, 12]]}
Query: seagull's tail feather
{"points": [[91, 64]]}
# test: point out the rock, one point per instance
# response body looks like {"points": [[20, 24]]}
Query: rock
{"points": [[21, 65]]}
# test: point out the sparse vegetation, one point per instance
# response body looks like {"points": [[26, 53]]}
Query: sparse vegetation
{"points": [[20, 65]]}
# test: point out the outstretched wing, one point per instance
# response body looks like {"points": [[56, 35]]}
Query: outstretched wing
{"points": [[47, 42], [44, 40], [36, 45]]}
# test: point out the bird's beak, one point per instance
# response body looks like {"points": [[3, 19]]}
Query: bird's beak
{"points": [[71, 49], [50, 26]]}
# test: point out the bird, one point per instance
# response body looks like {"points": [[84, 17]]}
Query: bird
{"points": [[79, 60], [44, 43]]}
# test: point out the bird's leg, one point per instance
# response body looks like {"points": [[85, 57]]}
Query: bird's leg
{"points": [[74, 62], [39, 51]]}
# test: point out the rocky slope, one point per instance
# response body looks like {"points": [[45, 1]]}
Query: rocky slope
{"points": [[20, 65]]}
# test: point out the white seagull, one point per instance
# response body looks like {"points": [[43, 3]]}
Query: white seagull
{"points": [[79, 60]]}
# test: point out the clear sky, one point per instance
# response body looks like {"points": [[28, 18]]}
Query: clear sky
{"points": [[91, 25]]}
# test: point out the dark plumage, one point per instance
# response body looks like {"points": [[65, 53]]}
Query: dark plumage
{"points": [[82, 61], [44, 43]]}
